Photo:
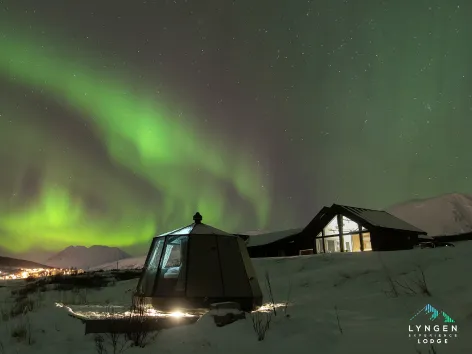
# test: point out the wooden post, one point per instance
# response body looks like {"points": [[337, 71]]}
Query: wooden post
{"points": [[315, 251], [323, 240], [361, 237], [340, 228]]}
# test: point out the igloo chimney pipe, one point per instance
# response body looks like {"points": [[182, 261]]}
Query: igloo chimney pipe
{"points": [[197, 218]]}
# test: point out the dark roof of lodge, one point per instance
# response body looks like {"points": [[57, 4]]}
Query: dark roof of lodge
{"points": [[376, 218], [368, 217], [271, 237]]}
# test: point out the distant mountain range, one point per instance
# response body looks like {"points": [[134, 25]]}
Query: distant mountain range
{"points": [[449, 214], [7, 262], [86, 257], [128, 263]]}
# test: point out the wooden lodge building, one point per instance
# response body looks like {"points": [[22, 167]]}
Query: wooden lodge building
{"points": [[338, 228]]}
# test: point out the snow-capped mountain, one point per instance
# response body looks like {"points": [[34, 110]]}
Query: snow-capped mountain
{"points": [[448, 214], [86, 257], [128, 263]]}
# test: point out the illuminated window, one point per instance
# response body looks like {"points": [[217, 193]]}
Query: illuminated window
{"points": [[319, 245], [355, 243], [172, 265], [367, 244], [332, 244], [184, 231], [332, 227], [150, 268], [349, 226], [350, 237]]}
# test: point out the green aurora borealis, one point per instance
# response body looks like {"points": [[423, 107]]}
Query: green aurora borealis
{"points": [[189, 168], [120, 120]]}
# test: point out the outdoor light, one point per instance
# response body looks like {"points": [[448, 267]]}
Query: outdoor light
{"points": [[177, 314]]}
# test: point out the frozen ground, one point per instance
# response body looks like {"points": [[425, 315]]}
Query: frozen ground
{"points": [[339, 303]]}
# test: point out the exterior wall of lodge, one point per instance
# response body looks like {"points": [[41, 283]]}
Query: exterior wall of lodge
{"points": [[351, 239]]}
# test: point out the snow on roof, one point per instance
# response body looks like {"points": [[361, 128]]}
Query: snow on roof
{"points": [[381, 219], [196, 229], [264, 239]]}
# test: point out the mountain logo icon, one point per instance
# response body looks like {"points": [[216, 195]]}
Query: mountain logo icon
{"points": [[433, 314]]}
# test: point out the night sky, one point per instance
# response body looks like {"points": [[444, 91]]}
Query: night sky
{"points": [[120, 119]]}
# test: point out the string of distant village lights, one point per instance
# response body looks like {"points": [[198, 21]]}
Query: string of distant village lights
{"points": [[37, 273]]}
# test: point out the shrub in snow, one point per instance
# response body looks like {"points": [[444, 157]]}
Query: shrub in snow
{"points": [[22, 305], [111, 343], [269, 291], [100, 344], [126, 274], [261, 323], [337, 319], [136, 331], [30, 288], [4, 315], [139, 332], [21, 331], [418, 283], [412, 284], [83, 281]]}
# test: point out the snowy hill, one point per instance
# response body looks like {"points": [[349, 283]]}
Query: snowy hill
{"points": [[7, 262], [86, 257], [32, 255], [448, 214], [127, 263], [338, 303]]}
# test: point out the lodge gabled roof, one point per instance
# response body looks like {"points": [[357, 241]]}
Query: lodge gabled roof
{"points": [[369, 218], [271, 237]]}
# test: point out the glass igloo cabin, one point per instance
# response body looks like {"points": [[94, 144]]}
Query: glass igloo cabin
{"points": [[192, 267]]}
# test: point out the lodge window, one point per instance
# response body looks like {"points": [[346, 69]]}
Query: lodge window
{"points": [[342, 234], [332, 244]]}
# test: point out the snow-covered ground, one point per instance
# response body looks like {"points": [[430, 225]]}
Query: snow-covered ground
{"points": [[339, 303]]}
